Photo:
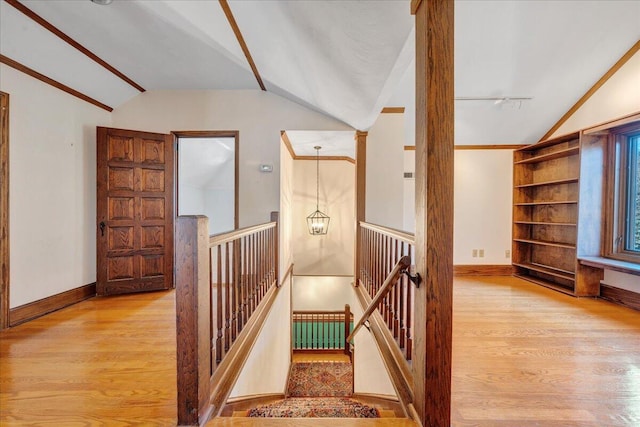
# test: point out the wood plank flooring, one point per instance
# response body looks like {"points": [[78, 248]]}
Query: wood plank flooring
{"points": [[103, 362], [523, 356]]}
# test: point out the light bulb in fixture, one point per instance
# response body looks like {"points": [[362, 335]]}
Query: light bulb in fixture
{"points": [[102, 2]]}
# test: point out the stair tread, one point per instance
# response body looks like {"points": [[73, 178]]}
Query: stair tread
{"points": [[310, 422]]}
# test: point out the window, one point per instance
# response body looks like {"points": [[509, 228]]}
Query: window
{"points": [[624, 219]]}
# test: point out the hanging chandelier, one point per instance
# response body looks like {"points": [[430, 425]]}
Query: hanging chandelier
{"points": [[318, 222]]}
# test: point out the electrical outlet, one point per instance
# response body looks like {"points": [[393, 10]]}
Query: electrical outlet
{"points": [[507, 253], [474, 253], [481, 253]]}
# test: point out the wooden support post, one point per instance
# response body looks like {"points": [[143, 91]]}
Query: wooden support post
{"points": [[4, 210], [361, 181], [434, 210], [193, 316]]}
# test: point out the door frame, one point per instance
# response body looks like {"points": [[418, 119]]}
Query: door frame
{"points": [[212, 134], [4, 211]]}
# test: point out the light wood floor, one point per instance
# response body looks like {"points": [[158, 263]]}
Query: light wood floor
{"points": [[523, 356]]}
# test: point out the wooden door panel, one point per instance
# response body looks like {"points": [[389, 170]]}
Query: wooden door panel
{"points": [[152, 180], [120, 149], [121, 179], [120, 238], [152, 152], [152, 208], [135, 209], [121, 208]]}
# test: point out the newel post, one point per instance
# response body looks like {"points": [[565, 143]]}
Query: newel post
{"points": [[193, 314], [347, 328]]}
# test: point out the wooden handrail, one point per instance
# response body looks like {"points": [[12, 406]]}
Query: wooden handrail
{"points": [[402, 264], [402, 236], [219, 239], [318, 312]]}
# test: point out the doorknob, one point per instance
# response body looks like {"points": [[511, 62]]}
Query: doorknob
{"points": [[102, 226]]}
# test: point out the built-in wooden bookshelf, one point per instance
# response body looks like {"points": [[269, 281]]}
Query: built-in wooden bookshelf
{"points": [[546, 195], [563, 210]]}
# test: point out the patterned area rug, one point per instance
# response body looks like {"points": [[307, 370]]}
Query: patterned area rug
{"points": [[304, 407], [320, 379]]}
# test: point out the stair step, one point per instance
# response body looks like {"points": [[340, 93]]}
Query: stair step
{"points": [[310, 422], [386, 413]]}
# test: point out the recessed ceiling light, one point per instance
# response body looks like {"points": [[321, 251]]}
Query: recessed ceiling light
{"points": [[102, 2]]}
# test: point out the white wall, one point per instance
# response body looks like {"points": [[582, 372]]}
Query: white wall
{"points": [[267, 367], [385, 164], [258, 116], [52, 137], [330, 254], [622, 280], [618, 97], [367, 360], [286, 209], [321, 292], [409, 193], [482, 204]]}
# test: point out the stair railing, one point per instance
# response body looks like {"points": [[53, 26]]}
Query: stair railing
{"points": [[225, 287], [386, 290], [382, 248], [321, 330], [390, 282]]}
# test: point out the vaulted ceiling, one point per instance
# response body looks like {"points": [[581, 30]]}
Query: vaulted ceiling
{"points": [[347, 59]]}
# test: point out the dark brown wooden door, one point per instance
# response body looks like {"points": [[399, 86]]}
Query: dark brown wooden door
{"points": [[134, 211]]}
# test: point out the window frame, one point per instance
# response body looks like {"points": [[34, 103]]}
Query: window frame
{"points": [[616, 188]]}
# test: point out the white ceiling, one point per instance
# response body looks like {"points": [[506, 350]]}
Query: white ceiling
{"points": [[333, 143], [347, 59]]}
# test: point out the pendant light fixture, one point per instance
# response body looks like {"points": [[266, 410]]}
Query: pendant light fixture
{"points": [[318, 222]]}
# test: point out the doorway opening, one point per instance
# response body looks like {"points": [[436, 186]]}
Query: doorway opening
{"points": [[207, 177]]}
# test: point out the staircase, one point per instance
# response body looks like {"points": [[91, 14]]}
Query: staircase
{"points": [[317, 389]]}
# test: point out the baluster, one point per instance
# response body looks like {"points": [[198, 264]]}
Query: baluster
{"points": [[409, 309], [376, 257], [260, 259], [256, 279], [392, 293], [311, 341], [402, 311], [219, 306], [227, 297], [235, 294], [263, 264], [369, 261], [245, 280], [249, 276], [212, 339]]}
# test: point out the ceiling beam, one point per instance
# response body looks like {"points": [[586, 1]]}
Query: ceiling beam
{"points": [[33, 73], [634, 49], [49, 26], [243, 45]]}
